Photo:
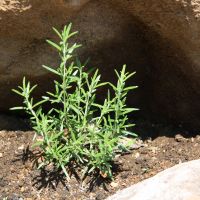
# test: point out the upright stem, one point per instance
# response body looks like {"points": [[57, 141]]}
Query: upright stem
{"points": [[64, 88]]}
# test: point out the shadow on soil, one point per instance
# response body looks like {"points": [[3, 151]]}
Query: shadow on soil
{"points": [[50, 177], [44, 177]]}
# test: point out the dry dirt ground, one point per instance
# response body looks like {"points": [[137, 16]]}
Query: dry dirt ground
{"points": [[20, 180]]}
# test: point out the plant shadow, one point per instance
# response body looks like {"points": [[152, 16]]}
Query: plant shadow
{"points": [[50, 177], [46, 177], [99, 181]]}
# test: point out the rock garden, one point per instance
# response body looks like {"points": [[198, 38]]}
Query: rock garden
{"points": [[99, 100]]}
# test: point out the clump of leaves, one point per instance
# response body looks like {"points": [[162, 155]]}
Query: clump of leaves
{"points": [[77, 131]]}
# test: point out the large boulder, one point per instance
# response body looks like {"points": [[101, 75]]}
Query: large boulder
{"points": [[173, 53], [158, 39], [181, 182], [24, 27]]}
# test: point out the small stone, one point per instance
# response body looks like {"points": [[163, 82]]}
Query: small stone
{"points": [[16, 152], [149, 140], [114, 184], [179, 138], [196, 144], [198, 137], [137, 155], [123, 184], [22, 189], [1, 155], [117, 157], [21, 147], [154, 158], [140, 160], [12, 169], [3, 182], [144, 170]]}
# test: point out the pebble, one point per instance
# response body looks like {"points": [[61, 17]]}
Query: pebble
{"points": [[196, 144], [124, 184], [139, 160], [198, 137], [117, 156], [144, 170], [137, 155], [154, 158], [179, 138], [3, 182], [149, 140], [114, 184], [1, 155], [21, 147], [22, 189], [12, 169]]}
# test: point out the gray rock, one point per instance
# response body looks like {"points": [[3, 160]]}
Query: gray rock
{"points": [[181, 182]]}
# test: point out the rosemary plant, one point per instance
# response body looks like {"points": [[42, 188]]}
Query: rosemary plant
{"points": [[77, 131]]}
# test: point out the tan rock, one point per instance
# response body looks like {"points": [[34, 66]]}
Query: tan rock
{"points": [[158, 39]]}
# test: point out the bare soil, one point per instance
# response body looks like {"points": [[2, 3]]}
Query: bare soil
{"points": [[21, 180]]}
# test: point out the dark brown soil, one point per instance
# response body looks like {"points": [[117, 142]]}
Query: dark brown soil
{"points": [[19, 180]]}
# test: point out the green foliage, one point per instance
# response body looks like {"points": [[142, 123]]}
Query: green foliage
{"points": [[77, 131]]}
